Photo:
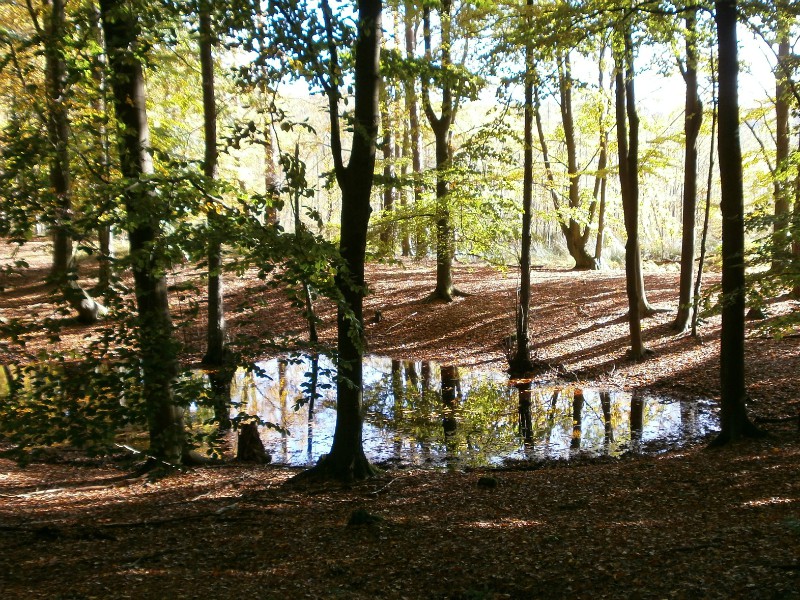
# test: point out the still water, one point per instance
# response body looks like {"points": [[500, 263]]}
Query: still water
{"points": [[426, 414]]}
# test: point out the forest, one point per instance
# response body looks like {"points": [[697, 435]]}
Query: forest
{"points": [[441, 298]]}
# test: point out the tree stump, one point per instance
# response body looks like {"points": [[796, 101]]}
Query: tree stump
{"points": [[250, 447]]}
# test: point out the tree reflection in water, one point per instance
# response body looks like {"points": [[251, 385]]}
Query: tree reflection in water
{"points": [[421, 413]]}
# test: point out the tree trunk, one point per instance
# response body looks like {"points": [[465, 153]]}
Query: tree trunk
{"points": [[444, 232], [157, 349], [575, 237], [578, 401], [387, 235], [346, 460], [783, 186], [215, 334], [627, 143], [521, 362], [441, 131], [693, 118], [601, 180], [105, 234], [58, 133], [707, 211], [412, 106], [733, 415]]}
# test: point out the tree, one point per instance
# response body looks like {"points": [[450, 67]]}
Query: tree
{"points": [[575, 237], [783, 185], [521, 362], [58, 133], [346, 459], [734, 421], [628, 148], [157, 349], [441, 132], [215, 339], [693, 118]]}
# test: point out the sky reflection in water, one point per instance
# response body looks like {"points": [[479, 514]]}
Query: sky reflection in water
{"points": [[479, 420]]}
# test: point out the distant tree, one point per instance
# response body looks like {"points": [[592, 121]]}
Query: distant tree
{"points": [[734, 421]]}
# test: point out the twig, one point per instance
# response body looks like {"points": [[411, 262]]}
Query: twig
{"points": [[383, 489]]}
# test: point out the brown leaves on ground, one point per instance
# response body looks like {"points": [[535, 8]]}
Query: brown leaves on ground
{"points": [[695, 523], [716, 524]]}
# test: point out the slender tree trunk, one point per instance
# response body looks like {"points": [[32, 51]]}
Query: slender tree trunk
{"points": [[58, 133], [157, 349], [215, 335], [105, 234], [733, 416], [412, 107], [783, 186], [693, 118], [601, 179], [388, 233], [707, 211], [796, 235], [627, 142], [521, 362]]}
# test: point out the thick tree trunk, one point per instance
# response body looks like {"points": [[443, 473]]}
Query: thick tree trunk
{"points": [[58, 133], [733, 415], [346, 460], [157, 349], [693, 118]]}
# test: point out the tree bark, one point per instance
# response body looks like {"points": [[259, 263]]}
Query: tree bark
{"points": [[521, 362], [412, 107], [733, 415], [215, 334], [693, 118], [441, 130], [576, 238], [627, 143], [346, 460], [783, 186], [388, 232], [157, 349], [58, 133]]}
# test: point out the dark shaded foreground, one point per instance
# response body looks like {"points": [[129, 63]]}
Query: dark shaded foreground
{"points": [[699, 523]]}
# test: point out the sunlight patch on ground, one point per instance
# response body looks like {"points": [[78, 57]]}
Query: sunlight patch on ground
{"points": [[505, 524], [769, 501]]}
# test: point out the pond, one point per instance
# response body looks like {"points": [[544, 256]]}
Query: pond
{"points": [[426, 414]]}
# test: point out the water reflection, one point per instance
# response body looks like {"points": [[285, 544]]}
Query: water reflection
{"points": [[422, 413]]}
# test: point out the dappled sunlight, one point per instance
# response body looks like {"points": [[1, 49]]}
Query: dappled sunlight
{"points": [[504, 523], [770, 502]]}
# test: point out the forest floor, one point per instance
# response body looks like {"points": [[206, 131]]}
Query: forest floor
{"points": [[689, 523]]}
